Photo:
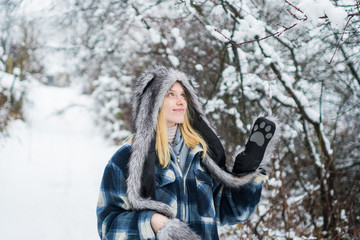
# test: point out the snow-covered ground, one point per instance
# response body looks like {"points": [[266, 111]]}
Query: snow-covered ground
{"points": [[51, 168]]}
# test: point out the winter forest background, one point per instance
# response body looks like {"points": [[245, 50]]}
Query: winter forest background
{"points": [[296, 59]]}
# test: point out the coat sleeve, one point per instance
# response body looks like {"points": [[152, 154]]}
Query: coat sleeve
{"points": [[116, 219], [236, 205]]}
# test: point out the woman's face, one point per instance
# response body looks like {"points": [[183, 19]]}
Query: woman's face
{"points": [[175, 105]]}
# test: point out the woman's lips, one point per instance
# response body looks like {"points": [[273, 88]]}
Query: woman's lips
{"points": [[179, 110]]}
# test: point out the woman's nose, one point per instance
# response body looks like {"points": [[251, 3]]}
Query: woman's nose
{"points": [[180, 101]]}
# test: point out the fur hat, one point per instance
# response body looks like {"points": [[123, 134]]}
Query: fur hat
{"points": [[147, 99]]}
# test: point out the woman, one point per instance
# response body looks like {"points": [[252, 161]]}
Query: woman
{"points": [[171, 181]]}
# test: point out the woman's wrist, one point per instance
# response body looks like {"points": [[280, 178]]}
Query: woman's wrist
{"points": [[158, 221]]}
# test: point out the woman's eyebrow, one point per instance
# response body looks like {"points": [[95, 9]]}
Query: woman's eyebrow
{"points": [[172, 90]]}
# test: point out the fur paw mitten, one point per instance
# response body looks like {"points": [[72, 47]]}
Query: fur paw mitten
{"points": [[175, 229], [250, 159]]}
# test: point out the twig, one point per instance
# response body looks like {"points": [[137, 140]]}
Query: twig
{"points": [[341, 38], [298, 9], [231, 41], [348, 110], [294, 16], [278, 33]]}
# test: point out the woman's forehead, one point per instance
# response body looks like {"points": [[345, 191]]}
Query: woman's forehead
{"points": [[177, 86]]}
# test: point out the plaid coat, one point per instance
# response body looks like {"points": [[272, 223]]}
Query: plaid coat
{"points": [[195, 198]]}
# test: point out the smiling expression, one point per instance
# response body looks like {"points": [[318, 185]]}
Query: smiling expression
{"points": [[175, 105]]}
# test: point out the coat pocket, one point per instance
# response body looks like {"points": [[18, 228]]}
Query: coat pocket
{"points": [[165, 177], [166, 188]]}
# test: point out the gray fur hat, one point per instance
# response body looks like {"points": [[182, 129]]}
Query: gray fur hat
{"points": [[148, 95]]}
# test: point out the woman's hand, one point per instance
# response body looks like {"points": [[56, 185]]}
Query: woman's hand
{"points": [[261, 134], [157, 221]]}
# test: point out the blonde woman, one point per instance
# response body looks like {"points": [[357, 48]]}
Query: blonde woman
{"points": [[170, 181]]}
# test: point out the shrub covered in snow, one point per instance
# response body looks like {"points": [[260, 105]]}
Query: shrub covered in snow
{"points": [[12, 92], [112, 97]]}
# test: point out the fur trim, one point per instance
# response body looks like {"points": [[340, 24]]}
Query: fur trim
{"points": [[228, 179], [133, 181], [174, 229], [259, 178], [148, 95]]}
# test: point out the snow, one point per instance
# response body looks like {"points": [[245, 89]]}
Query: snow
{"points": [[248, 28], [296, 199], [199, 67], [180, 43], [218, 10], [9, 81], [314, 9], [329, 150], [275, 182], [229, 83], [174, 60], [214, 104], [10, 87], [212, 30], [51, 167], [155, 36]]}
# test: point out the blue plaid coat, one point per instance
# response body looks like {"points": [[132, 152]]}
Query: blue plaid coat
{"points": [[197, 199]]}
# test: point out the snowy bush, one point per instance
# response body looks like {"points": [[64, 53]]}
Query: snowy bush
{"points": [[12, 92], [112, 98]]}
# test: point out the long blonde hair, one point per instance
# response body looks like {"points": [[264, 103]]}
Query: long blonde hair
{"points": [[191, 138]]}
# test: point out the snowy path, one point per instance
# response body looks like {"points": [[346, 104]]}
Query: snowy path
{"points": [[51, 167]]}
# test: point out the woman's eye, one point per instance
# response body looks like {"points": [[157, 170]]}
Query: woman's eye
{"points": [[171, 94]]}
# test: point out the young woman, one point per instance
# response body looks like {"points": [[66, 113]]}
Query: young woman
{"points": [[170, 181]]}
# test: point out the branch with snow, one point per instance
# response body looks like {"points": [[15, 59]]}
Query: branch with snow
{"points": [[314, 11]]}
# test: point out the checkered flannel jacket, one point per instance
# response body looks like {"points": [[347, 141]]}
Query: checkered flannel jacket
{"points": [[198, 200]]}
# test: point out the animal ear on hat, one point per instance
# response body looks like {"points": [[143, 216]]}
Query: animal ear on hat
{"points": [[141, 86], [149, 79]]}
